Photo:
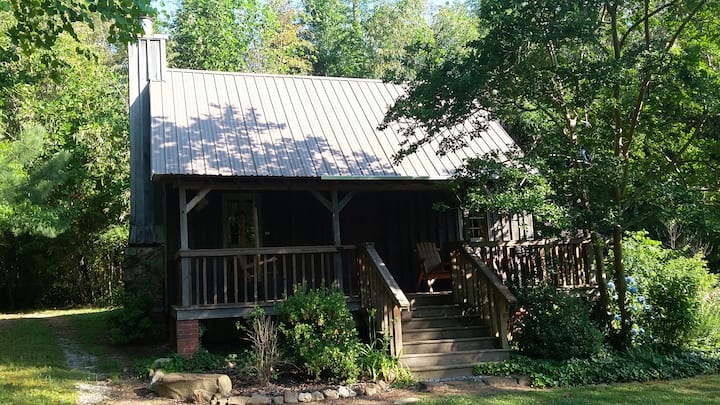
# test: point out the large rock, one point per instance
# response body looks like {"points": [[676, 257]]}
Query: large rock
{"points": [[183, 386]]}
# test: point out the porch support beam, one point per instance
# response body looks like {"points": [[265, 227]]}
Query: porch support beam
{"points": [[335, 206], [196, 200], [184, 245]]}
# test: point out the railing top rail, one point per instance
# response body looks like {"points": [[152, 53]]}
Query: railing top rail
{"points": [[389, 282], [263, 250], [538, 242], [490, 275]]}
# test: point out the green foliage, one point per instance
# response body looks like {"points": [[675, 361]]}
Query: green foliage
{"points": [[132, 323], [638, 364], [574, 80], [64, 147], [38, 24], [238, 35], [706, 335], [319, 332], [555, 325], [667, 291], [507, 187], [376, 363]]}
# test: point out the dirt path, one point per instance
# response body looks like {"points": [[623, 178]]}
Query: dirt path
{"points": [[96, 389]]}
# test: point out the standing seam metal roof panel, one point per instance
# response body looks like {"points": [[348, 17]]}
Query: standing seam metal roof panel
{"points": [[235, 124]]}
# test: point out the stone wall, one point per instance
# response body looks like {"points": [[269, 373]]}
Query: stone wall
{"points": [[144, 276]]}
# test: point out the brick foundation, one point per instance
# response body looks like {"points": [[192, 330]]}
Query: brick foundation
{"points": [[187, 337]]}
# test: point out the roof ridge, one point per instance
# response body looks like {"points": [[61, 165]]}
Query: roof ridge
{"points": [[311, 77]]}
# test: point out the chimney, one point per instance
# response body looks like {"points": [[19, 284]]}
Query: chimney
{"points": [[146, 64]]}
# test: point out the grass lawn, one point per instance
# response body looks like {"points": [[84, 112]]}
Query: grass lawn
{"points": [[32, 365], [697, 390]]}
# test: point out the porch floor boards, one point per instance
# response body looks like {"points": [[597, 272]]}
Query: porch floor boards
{"points": [[219, 311]]}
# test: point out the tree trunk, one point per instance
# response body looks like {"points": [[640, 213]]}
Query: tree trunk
{"points": [[623, 341], [601, 279]]}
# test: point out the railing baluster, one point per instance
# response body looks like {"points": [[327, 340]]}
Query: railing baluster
{"points": [[235, 279]]}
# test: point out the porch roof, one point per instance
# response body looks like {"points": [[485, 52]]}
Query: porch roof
{"points": [[256, 125]]}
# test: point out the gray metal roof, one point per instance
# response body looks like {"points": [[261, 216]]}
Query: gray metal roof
{"points": [[237, 124]]}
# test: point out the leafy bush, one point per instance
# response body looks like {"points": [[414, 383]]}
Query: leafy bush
{"points": [[131, 323], [319, 332], [706, 335], [637, 364], [555, 325], [665, 291]]}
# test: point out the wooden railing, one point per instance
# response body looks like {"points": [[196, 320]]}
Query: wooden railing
{"points": [[262, 275], [478, 287], [565, 263], [379, 292]]}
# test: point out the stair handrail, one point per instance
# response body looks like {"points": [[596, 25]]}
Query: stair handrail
{"points": [[380, 291], [470, 277]]}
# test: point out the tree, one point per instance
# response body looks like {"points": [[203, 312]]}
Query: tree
{"points": [[238, 35], [616, 102], [63, 170], [392, 29], [38, 24], [334, 26]]}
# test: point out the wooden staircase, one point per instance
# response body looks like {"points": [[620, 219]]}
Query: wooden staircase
{"points": [[444, 339]]}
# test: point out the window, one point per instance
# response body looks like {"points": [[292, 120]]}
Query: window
{"points": [[476, 228]]}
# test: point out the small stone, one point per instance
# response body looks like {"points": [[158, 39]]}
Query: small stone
{"points": [[317, 396], [278, 400], [290, 397], [331, 394], [345, 392], [237, 400], [405, 401], [383, 385], [305, 397], [258, 399], [371, 389]]}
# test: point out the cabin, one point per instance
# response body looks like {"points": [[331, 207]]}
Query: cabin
{"points": [[244, 186]]}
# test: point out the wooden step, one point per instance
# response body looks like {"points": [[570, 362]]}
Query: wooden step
{"points": [[416, 362], [450, 332], [443, 322], [431, 372], [450, 345], [435, 298], [439, 310]]}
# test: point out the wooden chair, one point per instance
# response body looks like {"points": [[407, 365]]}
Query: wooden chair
{"points": [[431, 266]]}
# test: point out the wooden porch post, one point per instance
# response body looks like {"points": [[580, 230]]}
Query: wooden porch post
{"points": [[185, 208], [335, 206]]}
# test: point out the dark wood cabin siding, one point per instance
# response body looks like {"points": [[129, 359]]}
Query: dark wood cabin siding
{"points": [[393, 220]]}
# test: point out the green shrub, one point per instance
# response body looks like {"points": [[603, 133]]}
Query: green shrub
{"points": [[555, 325], [665, 292], [319, 333], [132, 323], [376, 363], [637, 364], [706, 335]]}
